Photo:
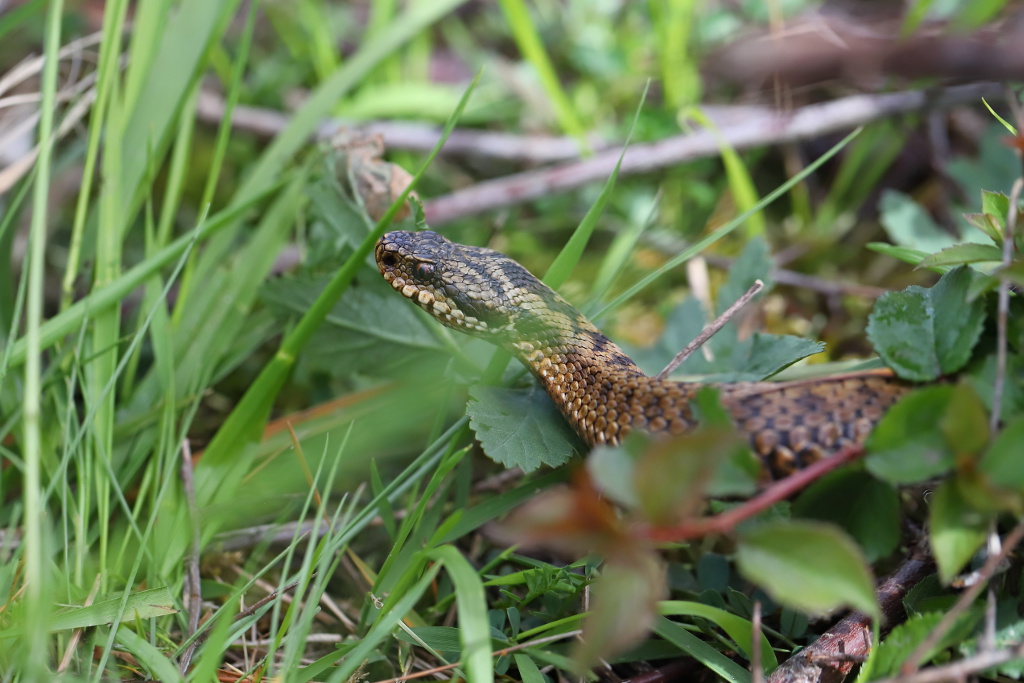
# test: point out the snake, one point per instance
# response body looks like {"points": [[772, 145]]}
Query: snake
{"points": [[598, 389]]}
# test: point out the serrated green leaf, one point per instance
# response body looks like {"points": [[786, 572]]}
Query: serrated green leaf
{"points": [[864, 507], [960, 254], [519, 427], [754, 263], [964, 424], [925, 333], [906, 447], [891, 654], [958, 321], [987, 224], [956, 530], [996, 205], [811, 566], [902, 330]]}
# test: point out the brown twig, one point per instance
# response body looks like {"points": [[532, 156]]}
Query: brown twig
{"points": [[711, 329], [415, 137], [777, 492], [963, 602], [831, 657], [194, 598], [767, 127]]}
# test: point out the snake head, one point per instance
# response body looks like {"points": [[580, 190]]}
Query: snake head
{"points": [[465, 288]]}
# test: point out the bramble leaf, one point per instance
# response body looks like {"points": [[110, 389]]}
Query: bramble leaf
{"points": [[923, 334], [519, 427]]}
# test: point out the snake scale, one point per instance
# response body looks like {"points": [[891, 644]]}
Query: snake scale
{"points": [[601, 392]]}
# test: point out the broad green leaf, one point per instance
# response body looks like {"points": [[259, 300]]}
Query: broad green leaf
{"points": [[811, 566], [956, 530], [519, 427], [958, 321], [739, 629], [156, 602], [909, 225], [1003, 475], [864, 507], [906, 447], [965, 424], [925, 333], [529, 672], [960, 254]]}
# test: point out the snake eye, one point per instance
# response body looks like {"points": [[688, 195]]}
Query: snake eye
{"points": [[424, 271]]}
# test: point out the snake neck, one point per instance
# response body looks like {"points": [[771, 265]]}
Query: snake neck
{"points": [[598, 389]]}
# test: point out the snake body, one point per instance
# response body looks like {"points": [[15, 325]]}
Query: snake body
{"points": [[598, 389]]}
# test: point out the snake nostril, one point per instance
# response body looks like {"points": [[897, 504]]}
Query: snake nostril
{"points": [[388, 260]]}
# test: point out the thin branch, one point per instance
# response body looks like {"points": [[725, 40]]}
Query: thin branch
{"points": [[761, 128], [986, 572], [777, 492], [711, 329], [1003, 310], [415, 137]]}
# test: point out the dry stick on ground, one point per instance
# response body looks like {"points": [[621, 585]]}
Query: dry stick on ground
{"points": [[710, 329], [768, 128], [777, 492], [831, 657], [194, 597], [416, 137], [986, 572]]}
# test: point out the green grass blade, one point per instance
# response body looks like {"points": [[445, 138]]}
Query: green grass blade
{"points": [[245, 421], [570, 254], [471, 606], [528, 40], [699, 246], [36, 651]]}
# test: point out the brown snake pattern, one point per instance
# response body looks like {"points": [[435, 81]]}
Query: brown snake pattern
{"points": [[596, 386]]}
